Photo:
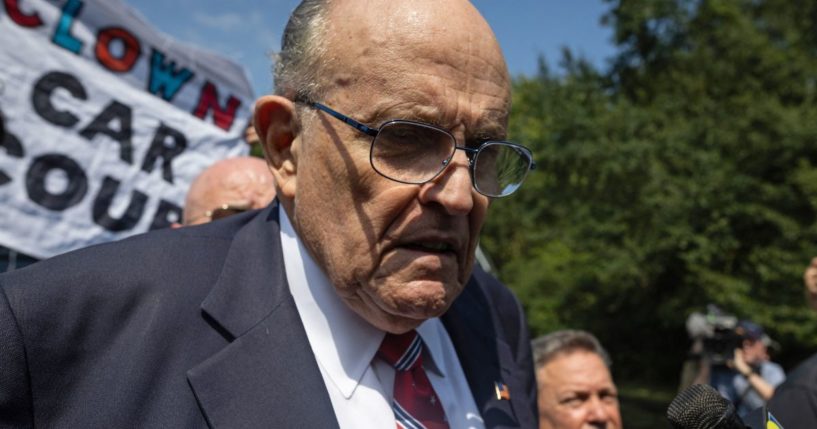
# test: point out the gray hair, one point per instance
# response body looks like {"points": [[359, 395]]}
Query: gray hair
{"points": [[547, 347], [297, 65]]}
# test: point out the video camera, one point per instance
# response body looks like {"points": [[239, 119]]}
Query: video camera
{"points": [[718, 331]]}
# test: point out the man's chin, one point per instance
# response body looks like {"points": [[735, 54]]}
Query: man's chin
{"points": [[397, 302], [421, 301], [404, 316]]}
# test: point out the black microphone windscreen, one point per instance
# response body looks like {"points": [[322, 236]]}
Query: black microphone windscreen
{"points": [[701, 407]]}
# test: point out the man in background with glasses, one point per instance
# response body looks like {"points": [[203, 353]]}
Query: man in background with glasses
{"points": [[351, 302], [226, 188]]}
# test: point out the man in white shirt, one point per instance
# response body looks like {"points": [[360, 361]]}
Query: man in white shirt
{"points": [[351, 302]]}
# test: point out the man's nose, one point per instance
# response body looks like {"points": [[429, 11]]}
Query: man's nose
{"points": [[452, 189], [597, 412]]}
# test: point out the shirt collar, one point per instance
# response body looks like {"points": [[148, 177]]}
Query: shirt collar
{"points": [[429, 331], [344, 344]]}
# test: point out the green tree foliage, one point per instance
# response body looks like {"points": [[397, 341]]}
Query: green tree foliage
{"points": [[685, 174]]}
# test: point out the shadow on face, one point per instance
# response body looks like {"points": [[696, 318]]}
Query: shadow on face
{"points": [[396, 253]]}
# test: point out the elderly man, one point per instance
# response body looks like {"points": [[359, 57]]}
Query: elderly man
{"points": [[228, 187], [351, 302], [576, 390]]}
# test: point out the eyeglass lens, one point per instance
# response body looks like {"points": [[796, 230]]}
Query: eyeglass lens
{"points": [[411, 152], [500, 168]]}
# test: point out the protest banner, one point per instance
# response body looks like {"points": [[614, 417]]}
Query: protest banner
{"points": [[105, 122]]}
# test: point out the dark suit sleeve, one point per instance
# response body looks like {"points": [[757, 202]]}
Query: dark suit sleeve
{"points": [[15, 392], [510, 316], [796, 408], [794, 402], [524, 357]]}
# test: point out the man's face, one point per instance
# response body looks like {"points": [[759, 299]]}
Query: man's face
{"points": [[755, 352], [576, 391], [398, 254]]}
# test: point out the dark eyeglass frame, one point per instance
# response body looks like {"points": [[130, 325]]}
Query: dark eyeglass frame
{"points": [[222, 211], [470, 152]]}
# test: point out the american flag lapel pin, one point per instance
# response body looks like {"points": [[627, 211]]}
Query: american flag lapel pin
{"points": [[502, 392]]}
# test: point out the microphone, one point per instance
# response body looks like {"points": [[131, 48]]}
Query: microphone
{"points": [[701, 407]]}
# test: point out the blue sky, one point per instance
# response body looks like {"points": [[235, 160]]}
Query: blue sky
{"points": [[247, 30]]}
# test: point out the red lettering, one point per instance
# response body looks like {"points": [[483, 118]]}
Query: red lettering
{"points": [[208, 100], [130, 53], [23, 20]]}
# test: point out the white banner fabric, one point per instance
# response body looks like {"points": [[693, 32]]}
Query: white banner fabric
{"points": [[105, 123]]}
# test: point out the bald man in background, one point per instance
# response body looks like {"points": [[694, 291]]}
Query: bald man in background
{"points": [[228, 187]]}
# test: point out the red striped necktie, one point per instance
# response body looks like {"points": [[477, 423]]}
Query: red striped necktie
{"points": [[415, 404]]}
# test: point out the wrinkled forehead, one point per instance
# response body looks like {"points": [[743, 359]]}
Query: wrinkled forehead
{"points": [[422, 53]]}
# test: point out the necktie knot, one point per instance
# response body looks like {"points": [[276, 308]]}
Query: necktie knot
{"points": [[402, 351], [414, 403]]}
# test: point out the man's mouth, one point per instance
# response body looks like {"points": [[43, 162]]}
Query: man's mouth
{"points": [[431, 246]]}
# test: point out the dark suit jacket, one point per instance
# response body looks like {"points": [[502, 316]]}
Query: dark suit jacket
{"points": [[794, 403], [196, 327]]}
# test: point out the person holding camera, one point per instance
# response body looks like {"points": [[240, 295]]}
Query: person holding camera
{"points": [[749, 378]]}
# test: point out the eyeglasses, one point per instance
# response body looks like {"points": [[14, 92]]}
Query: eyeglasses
{"points": [[221, 212], [415, 153]]}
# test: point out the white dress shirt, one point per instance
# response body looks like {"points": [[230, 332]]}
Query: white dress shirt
{"points": [[360, 386]]}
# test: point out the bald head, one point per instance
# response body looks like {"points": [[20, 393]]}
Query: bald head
{"points": [[429, 36], [243, 182], [384, 24], [323, 37]]}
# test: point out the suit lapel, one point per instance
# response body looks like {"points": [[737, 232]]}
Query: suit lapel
{"points": [[485, 358], [267, 376]]}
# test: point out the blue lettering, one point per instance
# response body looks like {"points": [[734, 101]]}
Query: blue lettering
{"points": [[62, 34], [165, 81]]}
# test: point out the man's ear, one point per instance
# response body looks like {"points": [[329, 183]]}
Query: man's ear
{"points": [[274, 120]]}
